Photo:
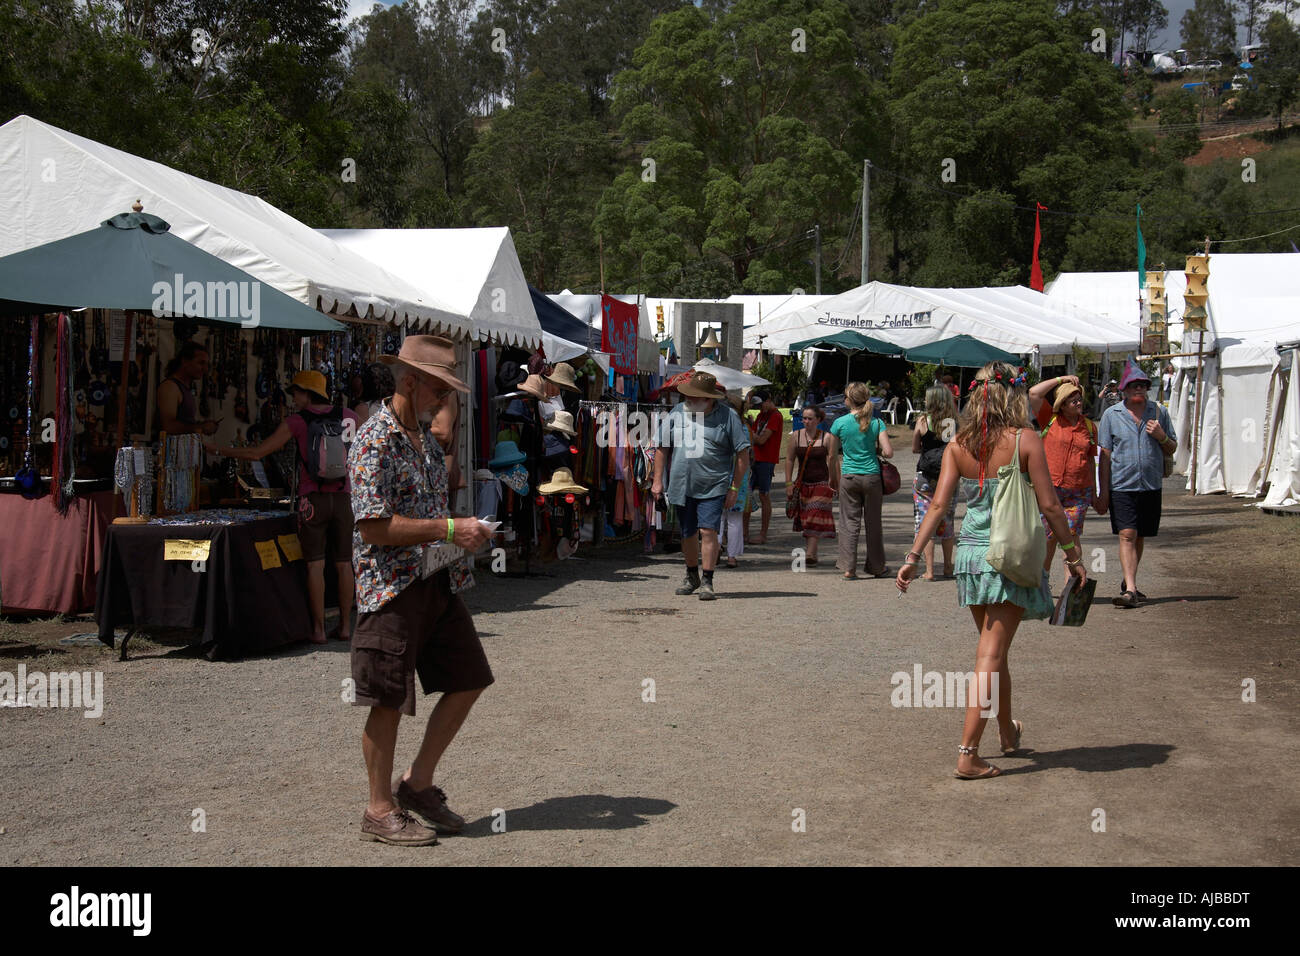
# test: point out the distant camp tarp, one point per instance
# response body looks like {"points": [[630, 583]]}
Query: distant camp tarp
{"points": [[1014, 318]]}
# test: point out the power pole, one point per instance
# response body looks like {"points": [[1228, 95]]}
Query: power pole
{"points": [[817, 258], [866, 215]]}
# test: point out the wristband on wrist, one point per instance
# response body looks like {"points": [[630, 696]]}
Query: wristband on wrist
{"points": [[451, 528]]}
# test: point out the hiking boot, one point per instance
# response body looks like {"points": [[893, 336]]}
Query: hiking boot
{"points": [[399, 828], [689, 585], [431, 805], [706, 591]]}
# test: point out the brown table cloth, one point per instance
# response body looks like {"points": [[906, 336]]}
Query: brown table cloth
{"points": [[48, 561]]}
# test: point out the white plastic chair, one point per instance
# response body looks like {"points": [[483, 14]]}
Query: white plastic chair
{"points": [[891, 410], [911, 412]]}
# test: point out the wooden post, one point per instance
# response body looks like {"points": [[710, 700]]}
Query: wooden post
{"points": [[120, 435]]}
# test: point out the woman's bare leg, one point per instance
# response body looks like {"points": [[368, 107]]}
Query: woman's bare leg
{"points": [[997, 625]]}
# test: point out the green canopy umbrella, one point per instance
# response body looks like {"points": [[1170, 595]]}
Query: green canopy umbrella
{"points": [[960, 350], [849, 341], [133, 262]]}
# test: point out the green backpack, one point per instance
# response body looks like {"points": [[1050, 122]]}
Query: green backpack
{"points": [[1017, 544]]}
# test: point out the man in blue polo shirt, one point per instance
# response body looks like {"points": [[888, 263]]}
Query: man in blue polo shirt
{"points": [[1134, 437], [708, 443]]}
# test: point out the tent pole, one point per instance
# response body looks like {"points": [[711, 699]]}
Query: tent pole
{"points": [[1200, 406]]}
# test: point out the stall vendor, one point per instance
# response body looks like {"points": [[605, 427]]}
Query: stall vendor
{"points": [[178, 412], [324, 505]]}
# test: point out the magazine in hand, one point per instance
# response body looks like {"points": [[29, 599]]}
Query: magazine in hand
{"points": [[1072, 608]]}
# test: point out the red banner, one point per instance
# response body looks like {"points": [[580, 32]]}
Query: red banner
{"points": [[618, 333], [1035, 270]]}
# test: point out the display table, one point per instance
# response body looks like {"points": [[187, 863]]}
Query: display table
{"points": [[236, 600], [48, 561]]}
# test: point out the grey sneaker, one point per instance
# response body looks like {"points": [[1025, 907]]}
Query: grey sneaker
{"points": [[689, 585], [706, 591]]}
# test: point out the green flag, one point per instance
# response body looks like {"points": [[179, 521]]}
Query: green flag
{"points": [[1142, 254]]}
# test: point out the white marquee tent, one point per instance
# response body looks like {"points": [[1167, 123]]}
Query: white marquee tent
{"points": [[1013, 318], [1115, 295], [475, 271], [56, 184], [1248, 425]]}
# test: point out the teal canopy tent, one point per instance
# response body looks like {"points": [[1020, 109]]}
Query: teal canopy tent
{"points": [[133, 262], [960, 350], [848, 340]]}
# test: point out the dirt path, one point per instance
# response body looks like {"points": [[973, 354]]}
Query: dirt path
{"points": [[772, 700]]}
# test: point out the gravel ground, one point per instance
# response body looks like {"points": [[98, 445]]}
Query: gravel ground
{"points": [[775, 699]]}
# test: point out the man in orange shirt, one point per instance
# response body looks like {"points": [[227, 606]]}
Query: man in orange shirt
{"points": [[1070, 444], [766, 432]]}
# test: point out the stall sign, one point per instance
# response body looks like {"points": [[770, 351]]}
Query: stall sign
{"points": [[291, 546], [266, 550], [186, 549]]}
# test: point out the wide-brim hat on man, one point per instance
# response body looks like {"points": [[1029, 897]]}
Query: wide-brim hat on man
{"points": [[1133, 373], [313, 383], [561, 483], [700, 385], [506, 453], [534, 386], [563, 376], [430, 354], [1063, 393], [563, 423]]}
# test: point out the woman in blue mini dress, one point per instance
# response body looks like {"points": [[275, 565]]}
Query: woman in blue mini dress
{"points": [[993, 431]]}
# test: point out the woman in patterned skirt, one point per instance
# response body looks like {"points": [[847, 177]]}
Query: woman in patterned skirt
{"points": [[812, 452]]}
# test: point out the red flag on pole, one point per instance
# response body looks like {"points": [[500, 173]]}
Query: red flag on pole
{"points": [[1035, 270]]}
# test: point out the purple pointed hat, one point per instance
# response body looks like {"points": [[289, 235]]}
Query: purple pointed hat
{"points": [[1132, 373]]}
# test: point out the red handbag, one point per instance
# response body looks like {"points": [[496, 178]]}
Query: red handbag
{"points": [[890, 480]]}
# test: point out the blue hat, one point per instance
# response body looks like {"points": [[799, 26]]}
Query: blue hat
{"points": [[506, 453]]}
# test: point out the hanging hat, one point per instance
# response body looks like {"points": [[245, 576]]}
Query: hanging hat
{"points": [[560, 483], [509, 375], [562, 375], [533, 385], [311, 382], [430, 354], [1132, 373], [515, 478], [563, 423], [517, 411], [553, 444], [700, 385], [1063, 393], [506, 453]]}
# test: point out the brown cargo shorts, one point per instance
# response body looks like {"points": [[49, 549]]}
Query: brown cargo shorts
{"points": [[425, 630]]}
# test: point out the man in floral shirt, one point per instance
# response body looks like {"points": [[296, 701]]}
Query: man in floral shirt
{"points": [[409, 556]]}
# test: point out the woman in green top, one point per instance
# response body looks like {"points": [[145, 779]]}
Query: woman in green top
{"points": [[862, 440]]}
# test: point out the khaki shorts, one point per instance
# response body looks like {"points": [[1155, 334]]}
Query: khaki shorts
{"points": [[425, 630], [325, 516]]}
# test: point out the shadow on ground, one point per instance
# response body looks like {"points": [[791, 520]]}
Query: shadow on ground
{"points": [[1097, 759], [585, 812]]}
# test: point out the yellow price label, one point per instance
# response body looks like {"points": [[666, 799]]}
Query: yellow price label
{"points": [[186, 549], [291, 546], [266, 550]]}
